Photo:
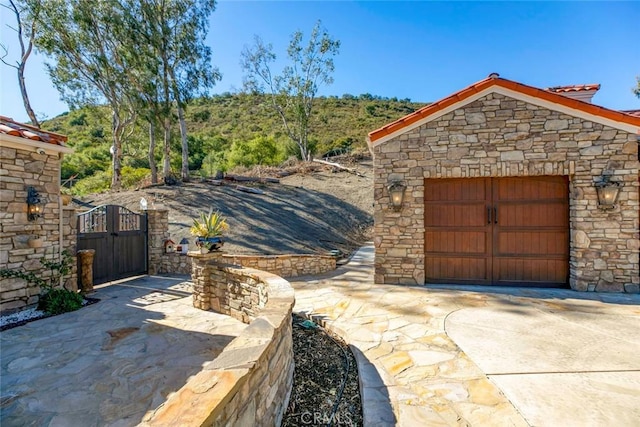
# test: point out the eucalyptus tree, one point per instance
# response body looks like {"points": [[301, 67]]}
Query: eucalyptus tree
{"points": [[170, 38], [293, 91], [84, 40], [26, 14]]}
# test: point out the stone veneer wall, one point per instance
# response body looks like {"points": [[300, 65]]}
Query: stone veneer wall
{"points": [[498, 136], [249, 383], [19, 169], [70, 243], [178, 263], [281, 265]]}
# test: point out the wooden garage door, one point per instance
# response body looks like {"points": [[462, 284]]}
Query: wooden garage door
{"points": [[498, 231]]}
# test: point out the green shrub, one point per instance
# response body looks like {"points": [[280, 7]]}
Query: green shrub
{"points": [[132, 177], [101, 181], [58, 301], [258, 151], [79, 120], [292, 149], [96, 183], [214, 161]]}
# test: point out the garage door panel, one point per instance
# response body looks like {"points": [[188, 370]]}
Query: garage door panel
{"points": [[529, 188], [541, 243], [545, 214], [452, 190], [540, 272], [456, 270], [455, 215], [452, 242]]}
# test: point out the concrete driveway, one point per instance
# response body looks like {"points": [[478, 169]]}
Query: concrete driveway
{"points": [[561, 360], [469, 355]]}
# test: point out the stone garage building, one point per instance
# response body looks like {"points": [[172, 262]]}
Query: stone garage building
{"points": [[500, 188]]}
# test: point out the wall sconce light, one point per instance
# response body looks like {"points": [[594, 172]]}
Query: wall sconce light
{"points": [[396, 194], [34, 204], [608, 192]]}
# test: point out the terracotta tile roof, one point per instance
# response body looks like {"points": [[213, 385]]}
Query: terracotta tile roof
{"points": [[635, 113], [11, 127], [574, 88], [495, 80]]}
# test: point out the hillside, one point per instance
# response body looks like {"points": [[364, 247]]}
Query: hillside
{"points": [[315, 210], [214, 124]]}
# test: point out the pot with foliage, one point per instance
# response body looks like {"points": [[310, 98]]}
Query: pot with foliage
{"points": [[209, 229]]}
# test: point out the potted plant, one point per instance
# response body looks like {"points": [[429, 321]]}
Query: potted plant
{"points": [[65, 196], [209, 229], [65, 192]]}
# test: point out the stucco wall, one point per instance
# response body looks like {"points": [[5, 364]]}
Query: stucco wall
{"points": [[498, 136], [19, 169]]}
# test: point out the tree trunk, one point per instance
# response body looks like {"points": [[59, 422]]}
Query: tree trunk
{"points": [[166, 167], [152, 149], [25, 96], [185, 144], [116, 179]]}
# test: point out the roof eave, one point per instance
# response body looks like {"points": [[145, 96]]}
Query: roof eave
{"points": [[33, 145]]}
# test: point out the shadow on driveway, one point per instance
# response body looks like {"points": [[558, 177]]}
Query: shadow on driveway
{"points": [[111, 362]]}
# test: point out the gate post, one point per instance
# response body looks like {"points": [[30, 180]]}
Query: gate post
{"points": [[86, 269], [158, 232]]}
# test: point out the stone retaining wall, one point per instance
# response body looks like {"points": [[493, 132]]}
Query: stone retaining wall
{"points": [[281, 265], [249, 383], [178, 263]]}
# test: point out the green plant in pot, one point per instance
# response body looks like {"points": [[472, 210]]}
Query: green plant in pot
{"points": [[209, 229]]}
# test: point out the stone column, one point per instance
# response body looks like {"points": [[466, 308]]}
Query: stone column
{"points": [[158, 232], [86, 269], [203, 276]]}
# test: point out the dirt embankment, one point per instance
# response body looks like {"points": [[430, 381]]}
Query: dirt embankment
{"points": [[315, 210]]}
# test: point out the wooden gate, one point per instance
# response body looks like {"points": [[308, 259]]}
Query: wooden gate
{"points": [[119, 237]]}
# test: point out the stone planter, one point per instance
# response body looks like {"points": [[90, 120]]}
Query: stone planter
{"points": [[35, 242]]}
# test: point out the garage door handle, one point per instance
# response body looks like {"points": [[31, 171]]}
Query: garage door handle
{"points": [[495, 215], [488, 215]]}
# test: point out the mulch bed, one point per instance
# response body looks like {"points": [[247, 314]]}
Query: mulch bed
{"points": [[325, 381]]}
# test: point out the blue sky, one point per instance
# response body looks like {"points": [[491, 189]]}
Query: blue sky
{"points": [[418, 50]]}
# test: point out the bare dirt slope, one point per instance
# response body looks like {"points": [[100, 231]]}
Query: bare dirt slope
{"points": [[315, 210]]}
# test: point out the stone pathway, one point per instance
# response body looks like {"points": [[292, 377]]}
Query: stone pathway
{"points": [[111, 362], [413, 373]]}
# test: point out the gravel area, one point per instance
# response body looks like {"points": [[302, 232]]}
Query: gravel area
{"points": [[20, 318]]}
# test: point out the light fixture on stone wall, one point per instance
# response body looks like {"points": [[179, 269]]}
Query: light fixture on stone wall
{"points": [[396, 194], [608, 192], [34, 204]]}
